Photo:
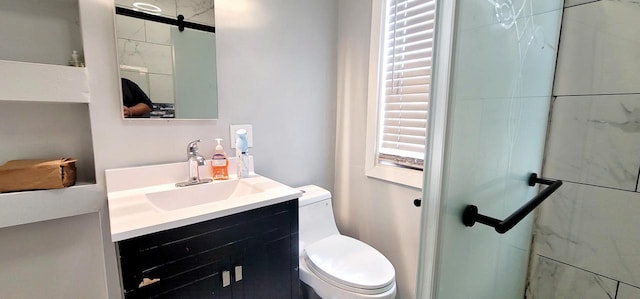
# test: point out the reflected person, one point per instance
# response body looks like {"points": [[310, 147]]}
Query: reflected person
{"points": [[135, 103]]}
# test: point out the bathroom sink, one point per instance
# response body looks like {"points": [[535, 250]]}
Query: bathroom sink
{"points": [[144, 199], [184, 197]]}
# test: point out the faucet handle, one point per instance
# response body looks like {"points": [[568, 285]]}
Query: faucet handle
{"points": [[192, 148]]}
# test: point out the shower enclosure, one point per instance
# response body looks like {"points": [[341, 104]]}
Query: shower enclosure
{"points": [[492, 83]]}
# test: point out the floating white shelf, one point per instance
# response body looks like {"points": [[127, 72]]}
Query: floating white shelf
{"points": [[34, 82], [33, 206]]}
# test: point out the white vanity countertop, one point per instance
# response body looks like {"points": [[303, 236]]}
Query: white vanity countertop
{"points": [[132, 214]]}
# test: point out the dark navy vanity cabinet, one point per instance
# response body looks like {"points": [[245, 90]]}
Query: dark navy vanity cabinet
{"points": [[253, 254]]}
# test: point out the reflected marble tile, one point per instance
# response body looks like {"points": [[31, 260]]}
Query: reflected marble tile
{"points": [[516, 62], [600, 49], [158, 33], [139, 78], [156, 58], [592, 228], [550, 279], [161, 87], [197, 11], [626, 291], [595, 140], [130, 28], [168, 7]]}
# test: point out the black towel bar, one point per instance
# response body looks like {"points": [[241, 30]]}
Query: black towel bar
{"points": [[470, 215]]}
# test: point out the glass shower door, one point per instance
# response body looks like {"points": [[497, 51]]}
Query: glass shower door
{"points": [[499, 86]]}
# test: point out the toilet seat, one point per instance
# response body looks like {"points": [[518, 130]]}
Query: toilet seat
{"points": [[350, 264]]}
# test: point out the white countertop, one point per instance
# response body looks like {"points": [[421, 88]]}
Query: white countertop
{"points": [[132, 214]]}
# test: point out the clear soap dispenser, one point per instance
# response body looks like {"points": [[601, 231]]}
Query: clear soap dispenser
{"points": [[241, 152], [219, 163]]}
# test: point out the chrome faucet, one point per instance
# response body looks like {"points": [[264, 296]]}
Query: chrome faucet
{"points": [[195, 160]]}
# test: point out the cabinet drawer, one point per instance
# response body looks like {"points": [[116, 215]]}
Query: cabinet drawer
{"points": [[153, 241]]}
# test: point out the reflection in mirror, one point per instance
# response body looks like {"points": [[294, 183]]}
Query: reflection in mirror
{"points": [[166, 49]]}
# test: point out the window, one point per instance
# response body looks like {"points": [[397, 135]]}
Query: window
{"points": [[402, 42]]}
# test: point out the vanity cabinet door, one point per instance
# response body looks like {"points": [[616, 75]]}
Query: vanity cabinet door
{"points": [[196, 275], [270, 261], [205, 281], [268, 271], [168, 257]]}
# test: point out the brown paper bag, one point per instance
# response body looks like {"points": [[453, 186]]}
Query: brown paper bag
{"points": [[18, 175]]}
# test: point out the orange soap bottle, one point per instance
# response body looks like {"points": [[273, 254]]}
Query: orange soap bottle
{"points": [[219, 163]]}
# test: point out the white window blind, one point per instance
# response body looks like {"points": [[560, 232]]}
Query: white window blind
{"points": [[408, 44]]}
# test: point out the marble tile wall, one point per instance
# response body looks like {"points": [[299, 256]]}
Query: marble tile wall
{"points": [[593, 228], [599, 49], [586, 237], [556, 280], [595, 140]]}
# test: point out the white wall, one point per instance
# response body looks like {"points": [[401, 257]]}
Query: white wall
{"points": [[273, 75], [586, 236], [276, 66], [30, 24], [377, 212], [53, 259], [276, 70]]}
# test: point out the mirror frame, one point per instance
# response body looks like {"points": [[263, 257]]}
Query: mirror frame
{"points": [[161, 109]]}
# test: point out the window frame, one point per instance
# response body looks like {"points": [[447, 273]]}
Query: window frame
{"points": [[374, 169]]}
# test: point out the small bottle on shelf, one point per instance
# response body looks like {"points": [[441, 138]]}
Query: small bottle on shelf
{"points": [[76, 60]]}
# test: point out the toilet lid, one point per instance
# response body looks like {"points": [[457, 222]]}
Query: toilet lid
{"points": [[350, 264]]}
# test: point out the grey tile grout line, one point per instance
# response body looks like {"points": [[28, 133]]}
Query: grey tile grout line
{"points": [[598, 94], [575, 5], [599, 186]]}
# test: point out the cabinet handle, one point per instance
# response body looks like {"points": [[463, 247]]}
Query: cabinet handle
{"points": [[226, 278], [238, 270]]}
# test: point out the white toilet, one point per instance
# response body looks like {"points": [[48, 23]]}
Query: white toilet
{"points": [[333, 266]]}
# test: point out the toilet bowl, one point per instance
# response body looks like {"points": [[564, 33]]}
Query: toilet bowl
{"points": [[334, 266]]}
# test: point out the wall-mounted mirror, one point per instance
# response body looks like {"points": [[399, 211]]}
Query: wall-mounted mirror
{"points": [[167, 58]]}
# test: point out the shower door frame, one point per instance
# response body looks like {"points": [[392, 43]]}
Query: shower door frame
{"points": [[435, 153]]}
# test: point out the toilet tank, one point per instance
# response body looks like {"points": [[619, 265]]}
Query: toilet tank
{"points": [[316, 219]]}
